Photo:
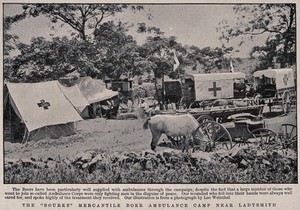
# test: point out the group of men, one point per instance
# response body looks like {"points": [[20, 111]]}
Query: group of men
{"points": [[149, 111]]}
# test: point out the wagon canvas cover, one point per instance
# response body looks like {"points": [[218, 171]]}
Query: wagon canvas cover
{"points": [[215, 85], [41, 104], [284, 78]]}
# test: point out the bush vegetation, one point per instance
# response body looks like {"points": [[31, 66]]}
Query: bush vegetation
{"points": [[267, 168]]}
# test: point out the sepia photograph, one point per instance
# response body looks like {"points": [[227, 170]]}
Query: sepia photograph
{"points": [[150, 93]]}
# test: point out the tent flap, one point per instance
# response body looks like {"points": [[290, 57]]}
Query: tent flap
{"points": [[75, 96]]}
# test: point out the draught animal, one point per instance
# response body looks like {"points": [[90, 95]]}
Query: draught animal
{"points": [[174, 125]]}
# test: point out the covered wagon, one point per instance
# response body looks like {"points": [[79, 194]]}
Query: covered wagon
{"points": [[200, 87], [217, 95], [274, 87]]}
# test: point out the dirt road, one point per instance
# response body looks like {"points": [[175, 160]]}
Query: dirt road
{"points": [[101, 135], [112, 136]]}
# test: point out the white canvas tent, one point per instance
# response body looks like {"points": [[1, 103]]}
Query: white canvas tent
{"points": [[42, 108], [94, 91]]}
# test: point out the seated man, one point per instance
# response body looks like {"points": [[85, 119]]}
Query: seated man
{"points": [[107, 107], [151, 111]]}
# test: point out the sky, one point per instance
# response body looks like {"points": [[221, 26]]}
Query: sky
{"points": [[192, 24]]}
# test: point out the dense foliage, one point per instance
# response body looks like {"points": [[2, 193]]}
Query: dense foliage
{"points": [[277, 22], [100, 47]]}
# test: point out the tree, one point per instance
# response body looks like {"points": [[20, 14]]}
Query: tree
{"points": [[275, 21], [159, 52], [80, 17], [209, 58], [9, 41], [112, 53], [98, 48], [44, 60], [120, 52]]}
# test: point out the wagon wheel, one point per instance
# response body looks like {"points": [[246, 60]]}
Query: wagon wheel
{"points": [[288, 136], [217, 135], [286, 102], [266, 138], [122, 101], [123, 107], [204, 118]]}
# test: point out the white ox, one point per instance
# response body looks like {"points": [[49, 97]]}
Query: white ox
{"points": [[174, 125]]}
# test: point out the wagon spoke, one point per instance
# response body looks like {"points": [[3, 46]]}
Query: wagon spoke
{"points": [[293, 127], [204, 118], [260, 136], [286, 132], [220, 137], [265, 137], [289, 133], [213, 132], [207, 134]]}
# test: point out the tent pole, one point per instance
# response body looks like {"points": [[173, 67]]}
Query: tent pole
{"points": [[27, 137], [10, 123], [94, 110], [25, 134], [92, 113]]}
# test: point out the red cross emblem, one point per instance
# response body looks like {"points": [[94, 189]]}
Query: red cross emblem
{"points": [[215, 89], [285, 79], [43, 104]]}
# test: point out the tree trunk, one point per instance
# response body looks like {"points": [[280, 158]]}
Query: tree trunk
{"points": [[287, 38], [156, 92], [163, 92]]}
